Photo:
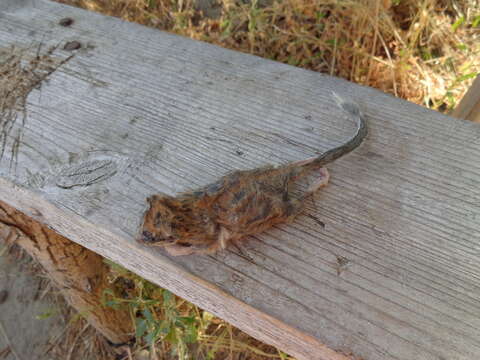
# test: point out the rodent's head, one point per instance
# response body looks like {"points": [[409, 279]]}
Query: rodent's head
{"points": [[161, 222], [171, 221]]}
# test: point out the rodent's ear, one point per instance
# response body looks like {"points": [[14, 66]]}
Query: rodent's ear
{"points": [[152, 199]]}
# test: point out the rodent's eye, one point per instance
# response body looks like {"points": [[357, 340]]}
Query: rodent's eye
{"points": [[148, 237]]}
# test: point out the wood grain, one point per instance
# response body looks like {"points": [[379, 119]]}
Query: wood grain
{"points": [[394, 272], [469, 107]]}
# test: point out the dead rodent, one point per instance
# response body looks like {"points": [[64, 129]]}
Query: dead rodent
{"points": [[241, 203]]}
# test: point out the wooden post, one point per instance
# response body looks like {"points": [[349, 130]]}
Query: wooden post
{"points": [[469, 107], [80, 274]]}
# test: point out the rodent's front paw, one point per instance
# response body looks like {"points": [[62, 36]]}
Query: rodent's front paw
{"points": [[179, 250]]}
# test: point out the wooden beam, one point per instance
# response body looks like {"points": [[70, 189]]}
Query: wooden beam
{"points": [[469, 107], [393, 272], [80, 274]]}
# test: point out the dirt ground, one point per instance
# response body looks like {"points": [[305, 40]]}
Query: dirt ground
{"points": [[28, 320]]}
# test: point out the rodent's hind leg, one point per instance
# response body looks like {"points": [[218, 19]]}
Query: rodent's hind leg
{"points": [[321, 181], [181, 250]]}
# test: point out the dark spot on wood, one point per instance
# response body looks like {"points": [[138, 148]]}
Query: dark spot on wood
{"points": [[72, 45], [235, 278], [308, 117], [239, 152], [124, 136], [318, 221], [134, 119], [3, 296], [218, 139], [342, 263], [66, 22], [373, 155], [309, 129]]}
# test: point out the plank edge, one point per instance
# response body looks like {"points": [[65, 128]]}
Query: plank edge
{"points": [[212, 298]]}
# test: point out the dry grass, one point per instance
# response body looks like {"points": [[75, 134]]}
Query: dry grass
{"points": [[168, 327]]}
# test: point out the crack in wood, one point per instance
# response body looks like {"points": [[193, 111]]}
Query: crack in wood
{"points": [[86, 173]]}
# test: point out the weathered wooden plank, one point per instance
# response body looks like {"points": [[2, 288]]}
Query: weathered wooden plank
{"points": [[469, 107], [79, 274], [392, 275]]}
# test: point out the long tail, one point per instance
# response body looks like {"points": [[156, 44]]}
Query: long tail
{"points": [[353, 111]]}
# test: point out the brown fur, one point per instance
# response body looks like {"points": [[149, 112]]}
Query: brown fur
{"points": [[241, 203]]}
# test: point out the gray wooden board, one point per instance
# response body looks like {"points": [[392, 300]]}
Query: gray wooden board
{"points": [[162, 113]]}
